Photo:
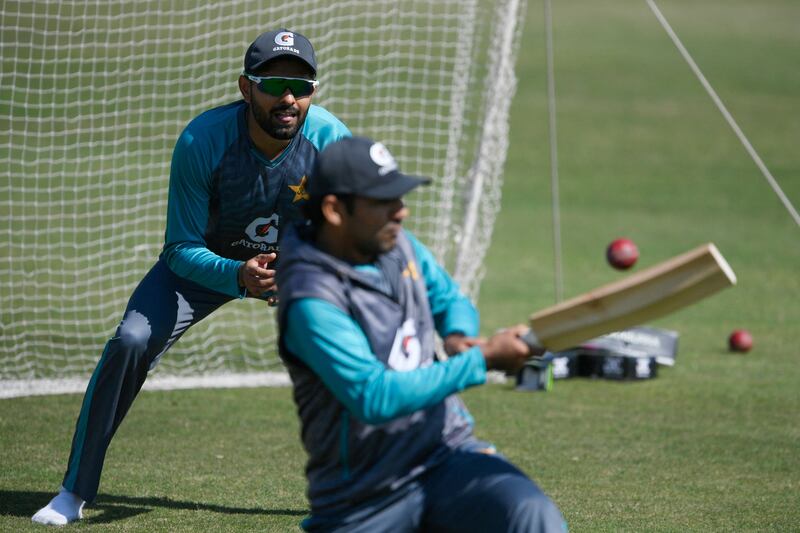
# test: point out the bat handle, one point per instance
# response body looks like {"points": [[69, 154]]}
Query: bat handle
{"points": [[532, 340], [533, 343]]}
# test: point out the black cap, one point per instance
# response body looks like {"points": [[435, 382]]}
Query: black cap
{"points": [[361, 167], [279, 43]]}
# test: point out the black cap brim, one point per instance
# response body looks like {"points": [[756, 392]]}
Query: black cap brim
{"points": [[399, 185]]}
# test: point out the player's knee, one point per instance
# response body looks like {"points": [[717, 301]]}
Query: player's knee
{"points": [[134, 333], [536, 512]]}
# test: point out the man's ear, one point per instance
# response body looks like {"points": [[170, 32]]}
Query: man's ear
{"points": [[244, 88], [333, 210]]}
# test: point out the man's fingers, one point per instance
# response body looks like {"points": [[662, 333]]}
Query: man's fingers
{"points": [[261, 273], [519, 329], [261, 284], [257, 277], [254, 270], [264, 259]]}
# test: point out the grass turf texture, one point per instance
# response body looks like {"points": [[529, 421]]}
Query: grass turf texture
{"points": [[711, 444]]}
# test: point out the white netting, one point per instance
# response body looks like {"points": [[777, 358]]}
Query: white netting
{"points": [[95, 93]]}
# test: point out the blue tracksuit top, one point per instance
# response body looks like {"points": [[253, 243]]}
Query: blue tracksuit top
{"points": [[227, 202], [375, 409]]}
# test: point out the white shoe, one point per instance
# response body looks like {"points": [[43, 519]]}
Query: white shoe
{"points": [[64, 508]]}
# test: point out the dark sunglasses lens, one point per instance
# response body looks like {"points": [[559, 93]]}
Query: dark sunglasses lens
{"points": [[300, 87], [277, 86], [272, 86]]}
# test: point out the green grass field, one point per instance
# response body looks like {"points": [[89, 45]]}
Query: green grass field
{"points": [[712, 444]]}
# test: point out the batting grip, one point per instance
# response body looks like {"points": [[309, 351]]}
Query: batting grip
{"points": [[531, 340]]}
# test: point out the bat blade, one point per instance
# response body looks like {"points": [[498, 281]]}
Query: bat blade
{"points": [[661, 289]]}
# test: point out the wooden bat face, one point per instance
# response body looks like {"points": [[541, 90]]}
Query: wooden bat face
{"points": [[661, 289]]}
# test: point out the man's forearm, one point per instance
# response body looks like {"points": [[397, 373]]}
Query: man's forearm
{"points": [[204, 267], [335, 348]]}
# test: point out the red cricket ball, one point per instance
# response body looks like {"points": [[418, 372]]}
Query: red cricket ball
{"points": [[740, 341], [622, 254]]}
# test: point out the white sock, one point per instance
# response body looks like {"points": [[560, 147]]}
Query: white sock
{"points": [[64, 508]]}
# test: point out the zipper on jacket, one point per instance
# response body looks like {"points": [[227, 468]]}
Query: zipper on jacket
{"points": [[344, 433]]}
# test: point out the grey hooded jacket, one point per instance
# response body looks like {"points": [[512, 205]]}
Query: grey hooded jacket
{"points": [[349, 460]]}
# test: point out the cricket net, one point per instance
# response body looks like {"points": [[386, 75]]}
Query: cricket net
{"points": [[94, 95]]}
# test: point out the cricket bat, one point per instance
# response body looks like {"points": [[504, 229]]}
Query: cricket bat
{"points": [[661, 289]]}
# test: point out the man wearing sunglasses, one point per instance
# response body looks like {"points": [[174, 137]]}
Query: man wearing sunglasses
{"points": [[238, 176]]}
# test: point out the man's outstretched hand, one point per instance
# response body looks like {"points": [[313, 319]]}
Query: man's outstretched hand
{"points": [[506, 351], [256, 276]]}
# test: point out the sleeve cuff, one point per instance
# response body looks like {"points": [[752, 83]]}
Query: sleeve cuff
{"points": [[477, 366]]}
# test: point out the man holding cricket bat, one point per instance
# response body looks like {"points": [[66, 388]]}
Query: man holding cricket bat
{"points": [[390, 445], [238, 176]]}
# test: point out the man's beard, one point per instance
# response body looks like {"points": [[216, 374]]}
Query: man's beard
{"points": [[376, 245], [272, 127]]}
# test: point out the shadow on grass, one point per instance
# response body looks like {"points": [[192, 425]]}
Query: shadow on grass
{"points": [[26, 503]]}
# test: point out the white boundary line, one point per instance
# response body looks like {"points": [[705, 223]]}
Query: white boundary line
{"points": [[722, 109], [40, 387]]}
